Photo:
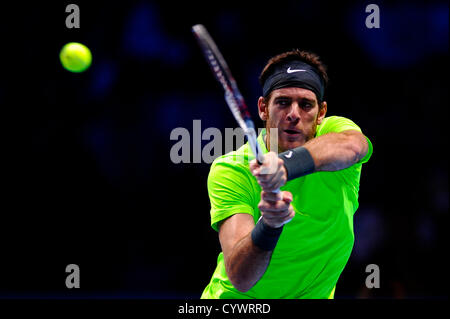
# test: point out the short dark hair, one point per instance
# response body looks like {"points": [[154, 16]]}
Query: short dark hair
{"points": [[295, 55]]}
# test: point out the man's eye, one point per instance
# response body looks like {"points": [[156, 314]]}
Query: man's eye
{"points": [[283, 102]]}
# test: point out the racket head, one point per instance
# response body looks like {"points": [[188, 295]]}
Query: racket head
{"points": [[222, 73], [233, 96]]}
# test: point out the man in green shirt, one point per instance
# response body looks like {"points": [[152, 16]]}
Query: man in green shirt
{"points": [[294, 243]]}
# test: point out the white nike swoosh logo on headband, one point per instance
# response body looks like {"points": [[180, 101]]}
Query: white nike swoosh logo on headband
{"points": [[292, 71]]}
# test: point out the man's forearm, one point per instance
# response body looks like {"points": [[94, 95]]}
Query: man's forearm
{"points": [[246, 264], [336, 151]]}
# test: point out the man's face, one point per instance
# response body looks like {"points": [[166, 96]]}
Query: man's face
{"points": [[295, 112]]}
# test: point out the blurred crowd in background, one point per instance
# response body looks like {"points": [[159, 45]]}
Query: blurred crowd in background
{"points": [[88, 173]]}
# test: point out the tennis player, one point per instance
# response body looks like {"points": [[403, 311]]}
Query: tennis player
{"points": [[294, 243]]}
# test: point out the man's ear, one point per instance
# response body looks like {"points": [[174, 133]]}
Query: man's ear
{"points": [[262, 108], [322, 113]]}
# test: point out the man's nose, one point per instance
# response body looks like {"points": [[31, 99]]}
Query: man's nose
{"points": [[294, 113]]}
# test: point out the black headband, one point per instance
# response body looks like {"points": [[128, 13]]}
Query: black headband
{"points": [[295, 74]]}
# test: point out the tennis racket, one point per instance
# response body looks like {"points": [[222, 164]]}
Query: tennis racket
{"points": [[233, 96]]}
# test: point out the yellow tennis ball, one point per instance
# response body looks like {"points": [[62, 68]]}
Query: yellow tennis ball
{"points": [[75, 57]]}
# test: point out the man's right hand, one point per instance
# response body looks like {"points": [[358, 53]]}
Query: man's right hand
{"points": [[272, 174], [276, 209]]}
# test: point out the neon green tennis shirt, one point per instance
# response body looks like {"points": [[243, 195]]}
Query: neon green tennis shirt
{"points": [[314, 247]]}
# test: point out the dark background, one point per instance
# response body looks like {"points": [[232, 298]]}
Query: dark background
{"points": [[87, 173]]}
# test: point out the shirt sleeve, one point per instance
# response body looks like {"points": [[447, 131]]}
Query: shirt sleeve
{"points": [[229, 189], [339, 124]]}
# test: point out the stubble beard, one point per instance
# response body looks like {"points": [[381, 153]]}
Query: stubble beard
{"points": [[280, 150]]}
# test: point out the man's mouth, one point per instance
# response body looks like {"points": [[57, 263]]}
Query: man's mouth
{"points": [[291, 132]]}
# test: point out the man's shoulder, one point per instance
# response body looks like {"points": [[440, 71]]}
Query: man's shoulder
{"points": [[336, 123], [336, 119], [231, 166], [238, 158]]}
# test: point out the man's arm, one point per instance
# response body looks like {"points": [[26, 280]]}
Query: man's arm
{"points": [[328, 152], [245, 262], [336, 151]]}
